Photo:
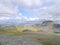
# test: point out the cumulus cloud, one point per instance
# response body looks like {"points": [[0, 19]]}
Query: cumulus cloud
{"points": [[33, 19], [45, 9], [8, 8], [33, 3], [9, 11], [49, 12], [50, 9], [15, 18], [29, 3]]}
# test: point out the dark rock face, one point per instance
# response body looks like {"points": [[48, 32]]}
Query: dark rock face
{"points": [[50, 26], [56, 25], [27, 30]]}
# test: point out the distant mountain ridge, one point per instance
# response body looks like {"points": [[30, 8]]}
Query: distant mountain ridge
{"points": [[4, 23], [49, 26], [44, 26]]}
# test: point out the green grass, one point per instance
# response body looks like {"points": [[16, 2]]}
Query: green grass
{"points": [[44, 41], [18, 31], [47, 41]]}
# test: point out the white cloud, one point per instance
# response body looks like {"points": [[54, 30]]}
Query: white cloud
{"points": [[19, 18], [29, 3], [4, 18], [49, 12], [34, 3], [31, 18], [34, 19], [10, 7]]}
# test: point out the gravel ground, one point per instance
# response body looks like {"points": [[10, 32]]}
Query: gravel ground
{"points": [[25, 39], [17, 40]]}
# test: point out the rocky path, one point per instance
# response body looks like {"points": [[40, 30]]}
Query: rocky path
{"points": [[26, 39], [17, 40]]}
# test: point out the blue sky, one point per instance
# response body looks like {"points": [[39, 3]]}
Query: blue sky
{"points": [[27, 13], [30, 10]]}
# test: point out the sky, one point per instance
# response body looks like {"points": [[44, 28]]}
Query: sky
{"points": [[29, 10]]}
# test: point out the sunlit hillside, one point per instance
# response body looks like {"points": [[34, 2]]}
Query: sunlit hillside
{"points": [[46, 26]]}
